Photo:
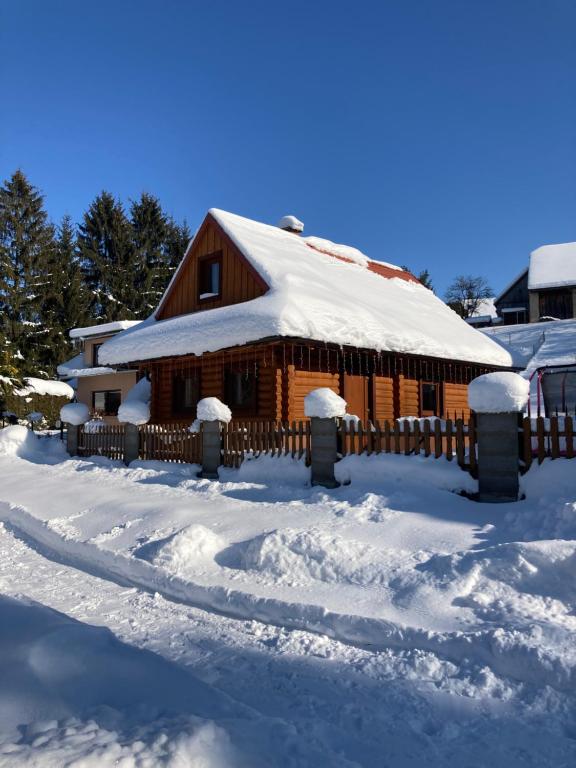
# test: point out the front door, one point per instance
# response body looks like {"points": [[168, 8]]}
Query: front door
{"points": [[356, 395]]}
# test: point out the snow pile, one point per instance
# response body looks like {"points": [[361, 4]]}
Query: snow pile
{"points": [[35, 417], [94, 425], [323, 403], [135, 408], [33, 386], [212, 409], [294, 557], [17, 440], [552, 266], [189, 551], [502, 392], [75, 414], [291, 222], [313, 293]]}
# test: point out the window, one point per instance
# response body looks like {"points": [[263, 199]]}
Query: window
{"points": [[556, 304], [107, 402], [429, 400], [185, 393], [95, 349], [240, 391], [209, 274]]}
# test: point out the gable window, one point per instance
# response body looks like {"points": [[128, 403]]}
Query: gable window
{"points": [[209, 276], [185, 393], [106, 402], [241, 391], [95, 348], [429, 399]]}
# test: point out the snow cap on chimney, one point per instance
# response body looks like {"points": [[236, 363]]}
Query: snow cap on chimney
{"points": [[291, 224]]}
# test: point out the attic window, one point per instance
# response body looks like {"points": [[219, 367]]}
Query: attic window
{"points": [[209, 276]]}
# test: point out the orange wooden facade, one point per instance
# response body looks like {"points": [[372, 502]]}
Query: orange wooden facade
{"points": [[375, 386]]}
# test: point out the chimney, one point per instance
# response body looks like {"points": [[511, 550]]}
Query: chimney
{"points": [[291, 224]]}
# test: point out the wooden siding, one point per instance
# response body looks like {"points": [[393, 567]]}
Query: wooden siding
{"points": [[456, 401], [408, 398], [300, 383], [383, 398], [238, 281]]}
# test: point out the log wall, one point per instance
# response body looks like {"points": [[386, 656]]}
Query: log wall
{"points": [[456, 401]]}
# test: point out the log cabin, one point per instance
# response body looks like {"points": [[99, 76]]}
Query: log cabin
{"points": [[259, 316]]}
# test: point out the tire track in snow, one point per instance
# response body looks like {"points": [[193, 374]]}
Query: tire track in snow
{"points": [[506, 653]]}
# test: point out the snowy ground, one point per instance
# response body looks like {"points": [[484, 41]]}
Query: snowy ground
{"points": [[390, 622]]}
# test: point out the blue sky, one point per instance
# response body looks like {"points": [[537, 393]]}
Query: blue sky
{"points": [[440, 134]]}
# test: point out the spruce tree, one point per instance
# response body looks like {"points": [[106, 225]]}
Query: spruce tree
{"points": [[26, 247], [149, 233], [65, 303], [108, 260], [177, 240]]}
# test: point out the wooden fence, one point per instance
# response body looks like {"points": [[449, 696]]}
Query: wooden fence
{"points": [[107, 440], [539, 438], [276, 438]]}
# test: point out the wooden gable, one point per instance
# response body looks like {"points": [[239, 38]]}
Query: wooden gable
{"points": [[239, 281]]}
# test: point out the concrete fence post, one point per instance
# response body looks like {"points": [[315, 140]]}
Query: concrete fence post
{"points": [[323, 455], [72, 439], [131, 443], [211, 449], [498, 456]]}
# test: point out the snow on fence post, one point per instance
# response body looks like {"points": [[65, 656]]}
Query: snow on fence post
{"points": [[324, 407], [498, 400], [74, 415], [211, 413]]}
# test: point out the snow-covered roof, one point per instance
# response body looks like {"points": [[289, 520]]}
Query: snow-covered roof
{"points": [[552, 266], [102, 329], [75, 368], [318, 290]]}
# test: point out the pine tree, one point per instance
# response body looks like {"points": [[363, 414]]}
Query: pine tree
{"points": [[177, 239], [65, 303], [26, 246], [108, 259], [150, 233]]}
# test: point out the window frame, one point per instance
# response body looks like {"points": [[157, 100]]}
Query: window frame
{"points": [[204, 262], [106, 393], [438, 410], [95, 348]]}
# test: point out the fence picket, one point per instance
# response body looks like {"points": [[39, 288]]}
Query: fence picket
{"points": [[568, 429], [427, 438]]}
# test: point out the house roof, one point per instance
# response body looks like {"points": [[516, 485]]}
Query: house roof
{"points": [[102, 329], [552, 266], [317, 290]]}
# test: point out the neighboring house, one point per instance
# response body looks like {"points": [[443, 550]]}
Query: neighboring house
{"points": [[101, 388], [545, 290], [485, 315], [259, 316], [513, 303]]}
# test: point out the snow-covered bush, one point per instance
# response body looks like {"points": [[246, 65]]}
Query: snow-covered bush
{"points": [[501, 392], [136, 406], [35, 395], [75, 414], [323, 403], [212, 409], [94, 425]]}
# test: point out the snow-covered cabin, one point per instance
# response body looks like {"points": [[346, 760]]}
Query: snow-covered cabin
{"points": [[259, 315], [101, 387]]}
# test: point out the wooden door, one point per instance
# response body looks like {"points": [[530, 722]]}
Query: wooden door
{"points": [[356, 395]]}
